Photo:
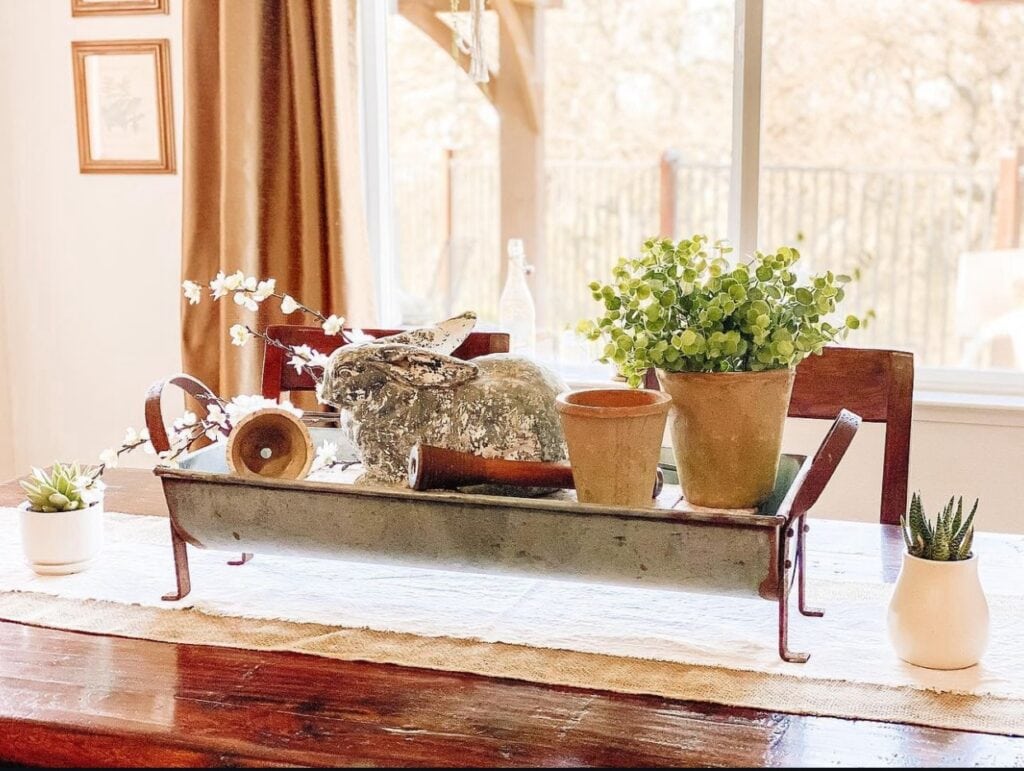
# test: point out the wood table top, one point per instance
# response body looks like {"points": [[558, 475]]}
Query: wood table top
{"points": [[75, 699]]}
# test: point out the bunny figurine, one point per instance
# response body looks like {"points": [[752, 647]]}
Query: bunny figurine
{"points": [[396, 391]]}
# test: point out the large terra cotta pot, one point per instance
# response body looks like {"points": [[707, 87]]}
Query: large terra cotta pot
{"points": [[938, 615], [614, 440], [58, 543], [726, 430]]}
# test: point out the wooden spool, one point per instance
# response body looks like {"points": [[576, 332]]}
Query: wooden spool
{"points": [[270, 442], [438, 468]]}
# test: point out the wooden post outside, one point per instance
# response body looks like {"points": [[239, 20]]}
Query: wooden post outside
{"points": [[669, 196], [446, 279], [518, 97], [1008, 199]]}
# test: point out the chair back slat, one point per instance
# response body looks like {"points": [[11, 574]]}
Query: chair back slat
{"points": [[278, 377]]}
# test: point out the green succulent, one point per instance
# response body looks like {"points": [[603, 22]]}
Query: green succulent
{"points": [[683, 307], [62, 489], [947, 539]]}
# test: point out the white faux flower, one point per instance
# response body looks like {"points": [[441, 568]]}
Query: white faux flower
{"points": [[248, 282], [304, 356], [193, 292], [215, 415], [358, 336], [167, 460], [326, 456], [219, 286], [242, 405], [288, 304], [240, 335], [109, 458], [264, 289], [149, 449], [180, 440], [246, 301], [235, 281], [319, 360], [185, 421], [131, 436], [333, 325]]}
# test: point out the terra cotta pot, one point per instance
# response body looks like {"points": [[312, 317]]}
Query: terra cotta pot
{"points": [[614, 439], [726, 432], [938, 615]]}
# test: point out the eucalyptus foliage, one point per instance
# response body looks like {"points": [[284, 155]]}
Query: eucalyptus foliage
{"points": [[948, 539], [684, 307]]}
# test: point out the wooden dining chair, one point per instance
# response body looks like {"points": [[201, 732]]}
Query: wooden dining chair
{"points": [[278, 377], [876, 384]]}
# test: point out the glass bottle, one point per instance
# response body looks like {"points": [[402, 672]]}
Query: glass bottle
{"points": [[517, 314]]}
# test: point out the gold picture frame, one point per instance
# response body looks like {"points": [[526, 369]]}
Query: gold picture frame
{"points": [[123, 106], [117, 7]]}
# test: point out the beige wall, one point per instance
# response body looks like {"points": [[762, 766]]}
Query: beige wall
{"points": [[963, 451], [88, 263]]}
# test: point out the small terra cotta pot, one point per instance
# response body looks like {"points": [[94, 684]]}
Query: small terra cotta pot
{"points": [[614, 438], [726, 430], [58, 543], [938, 615]]}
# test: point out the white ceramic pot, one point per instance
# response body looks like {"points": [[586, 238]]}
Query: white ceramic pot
{"points": [[938, 615], [61, 542]]}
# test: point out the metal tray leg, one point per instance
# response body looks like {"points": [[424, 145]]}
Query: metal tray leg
{"points": [[246, 556], [785, 579], [801, 575], [180, 549]]}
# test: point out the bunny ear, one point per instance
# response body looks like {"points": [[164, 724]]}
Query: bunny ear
{"points": [[443, 337], [424, 369]]}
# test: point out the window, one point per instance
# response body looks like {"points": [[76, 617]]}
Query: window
{"points": [[882, 134]]}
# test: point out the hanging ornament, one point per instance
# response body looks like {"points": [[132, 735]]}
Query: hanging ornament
{"points": [[477, 60], [478, 71]]}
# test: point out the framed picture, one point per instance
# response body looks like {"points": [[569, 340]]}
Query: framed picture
{"points": [[123, 106], [116, 7]]}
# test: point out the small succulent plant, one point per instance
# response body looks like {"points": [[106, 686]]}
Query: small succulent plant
{"points": [[947, 539], [64, 488]]}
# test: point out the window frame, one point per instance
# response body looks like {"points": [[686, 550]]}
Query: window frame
{"points": [[745, 177]]}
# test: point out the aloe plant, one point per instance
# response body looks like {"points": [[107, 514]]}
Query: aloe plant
{"points": [[946, 539], [64, 488]]}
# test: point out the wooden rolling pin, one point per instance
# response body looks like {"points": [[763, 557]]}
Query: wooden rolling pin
{"points": [[438, 468]]}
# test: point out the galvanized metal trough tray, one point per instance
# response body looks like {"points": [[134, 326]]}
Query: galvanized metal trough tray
{"points": [[671, 545]]}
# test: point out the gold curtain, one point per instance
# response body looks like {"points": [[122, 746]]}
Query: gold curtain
{"points": [[272, 180]]}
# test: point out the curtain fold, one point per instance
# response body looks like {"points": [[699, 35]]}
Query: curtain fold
{"points": [[272, 179]]}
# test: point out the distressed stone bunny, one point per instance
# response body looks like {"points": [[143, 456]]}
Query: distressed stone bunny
{"points": [[400, 390]]}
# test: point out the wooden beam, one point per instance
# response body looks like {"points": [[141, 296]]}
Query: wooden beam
{"points": [[421, 14], [523, 65], [668, 175], [521, 149], [1009, 199], [445, 6]]}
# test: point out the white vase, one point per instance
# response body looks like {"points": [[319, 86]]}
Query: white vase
{"points": [[938, 615], [61, 542]]}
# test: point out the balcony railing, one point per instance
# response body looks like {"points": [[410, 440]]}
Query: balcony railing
{"points": [[907, 228]]}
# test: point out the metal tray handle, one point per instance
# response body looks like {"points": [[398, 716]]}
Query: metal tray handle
{"points": [[154, 414]]}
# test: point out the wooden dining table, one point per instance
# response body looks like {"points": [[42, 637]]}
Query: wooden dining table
{"points": [[68, 698]]}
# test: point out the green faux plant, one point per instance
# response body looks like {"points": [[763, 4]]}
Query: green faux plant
{"points": [[683, 307], [64, 488], [947, 539]]}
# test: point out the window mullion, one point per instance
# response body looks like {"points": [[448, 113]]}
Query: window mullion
{"points": [[746, 125]]}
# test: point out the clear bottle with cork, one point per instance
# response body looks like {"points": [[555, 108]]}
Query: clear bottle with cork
{"points": [[517, 313]]}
